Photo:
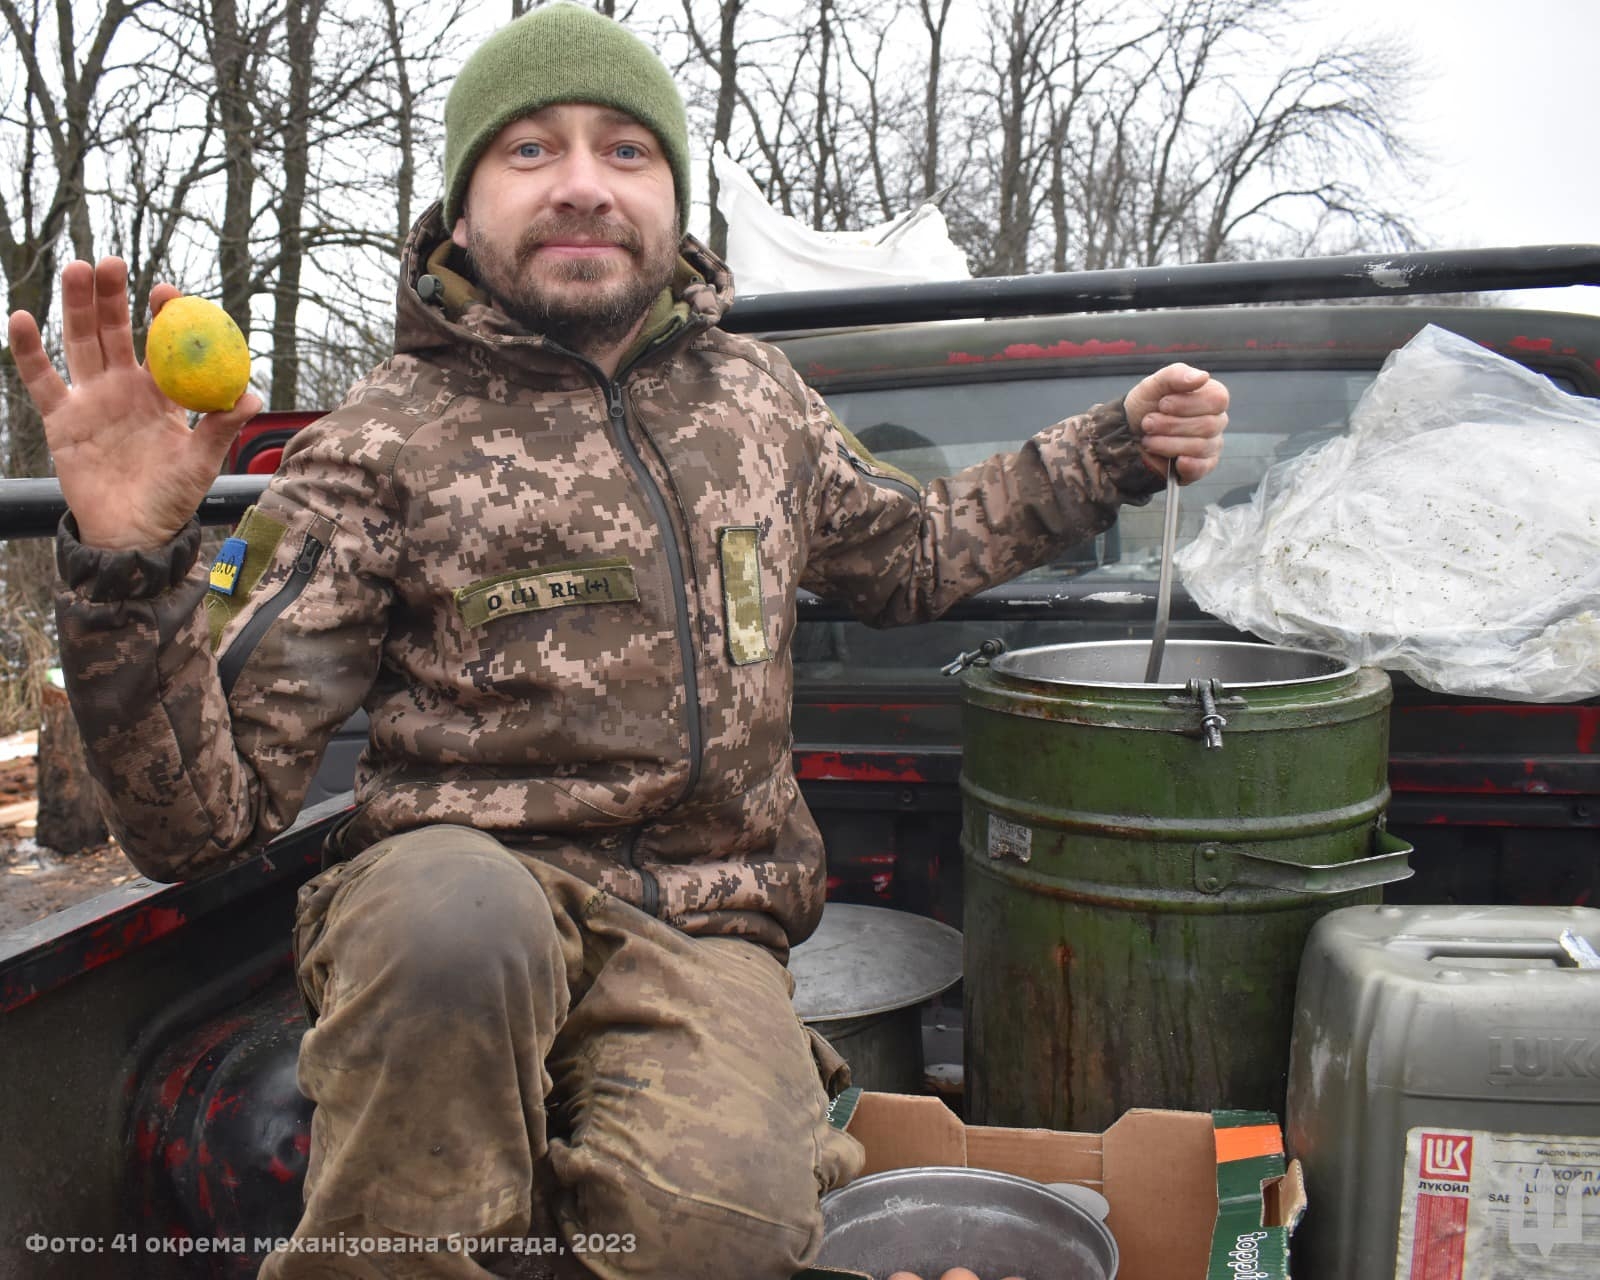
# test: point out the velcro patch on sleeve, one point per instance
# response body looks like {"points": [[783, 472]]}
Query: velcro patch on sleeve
{"points": [[226, 567], [256, 539], [594, 582], [741, 595]]}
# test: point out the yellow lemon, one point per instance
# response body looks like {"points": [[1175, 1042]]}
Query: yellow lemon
{"points": [[197, 355]]}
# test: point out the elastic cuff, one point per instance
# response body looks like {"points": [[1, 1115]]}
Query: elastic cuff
{"points": [[105, 576], [1116, 446]]}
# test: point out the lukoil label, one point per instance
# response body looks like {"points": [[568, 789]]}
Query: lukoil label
{"points": [[1498, 1206]]}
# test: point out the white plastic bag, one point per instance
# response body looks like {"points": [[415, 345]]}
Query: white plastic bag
{"points": [[770, 252], [1453, 534]]}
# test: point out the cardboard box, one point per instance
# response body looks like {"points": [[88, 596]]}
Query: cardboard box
{"points": [[1193, 1196]]}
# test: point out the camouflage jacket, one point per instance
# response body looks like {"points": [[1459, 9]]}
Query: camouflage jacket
{"points": [[566, 603]]}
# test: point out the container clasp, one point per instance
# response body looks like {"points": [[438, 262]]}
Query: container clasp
{"points": [[1207, 694], [977, 657]]}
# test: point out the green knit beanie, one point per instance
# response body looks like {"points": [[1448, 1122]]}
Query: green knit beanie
{"points": [[559, 53]]}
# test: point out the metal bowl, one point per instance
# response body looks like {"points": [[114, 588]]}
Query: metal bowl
{"points": [[927, 1220]]}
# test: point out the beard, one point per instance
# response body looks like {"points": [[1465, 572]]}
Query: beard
{"points": [[584, 305]]}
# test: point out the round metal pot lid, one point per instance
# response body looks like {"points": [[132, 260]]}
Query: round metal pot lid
{"points": [[866, 960], [1120, 664], [924, 1219]]}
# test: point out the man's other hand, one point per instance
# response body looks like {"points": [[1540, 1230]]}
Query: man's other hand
{"points": [[131, 470], [1179, 412]]}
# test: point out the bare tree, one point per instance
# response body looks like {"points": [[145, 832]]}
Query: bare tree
{"points": [[1208, 144], [935, 15], [1075, 132], [1340, 103], [1021, 38], [723, 61], [1081, 133], [877, 115], [301, 20], [236, 44], [1059, 223], [1045, 60], [145, 196], [56, 127], [828, 116], [52, 123], [405, 123], [828, 198], [55, 119]]}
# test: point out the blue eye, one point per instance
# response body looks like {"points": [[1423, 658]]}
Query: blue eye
{"points": [[530, 150], [628, 151]]}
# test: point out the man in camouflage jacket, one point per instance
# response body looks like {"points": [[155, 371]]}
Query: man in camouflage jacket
{"points": [[552, 546]]}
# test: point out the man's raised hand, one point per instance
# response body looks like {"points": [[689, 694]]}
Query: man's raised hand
{"points": [[131, 470]]}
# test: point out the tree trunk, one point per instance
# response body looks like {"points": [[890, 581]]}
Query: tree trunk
{"points": [[69, 813], [727, 95], [302, 19], [1058, 189], [404, 108], [29, 563], [822, 200], [1015, 215], [230, 59], [931, 138], [31, 270]]}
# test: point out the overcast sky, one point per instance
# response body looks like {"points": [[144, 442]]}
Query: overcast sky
{"points": [[1509, 109]]}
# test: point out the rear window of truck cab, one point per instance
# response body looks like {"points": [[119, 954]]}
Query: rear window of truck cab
{"points": [[935, 430]]}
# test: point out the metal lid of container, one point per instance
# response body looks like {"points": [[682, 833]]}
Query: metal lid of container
{"points": [[866, 960], [1121, 663]]}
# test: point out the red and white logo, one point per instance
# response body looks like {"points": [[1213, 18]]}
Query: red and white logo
{"points": [[1447, 1156]]}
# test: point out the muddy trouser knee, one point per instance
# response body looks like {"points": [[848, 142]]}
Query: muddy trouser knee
{"points": [[438, 973], [505, 1056]]}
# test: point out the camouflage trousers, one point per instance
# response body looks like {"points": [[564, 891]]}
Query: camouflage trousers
{"points": [[515, 1074]]}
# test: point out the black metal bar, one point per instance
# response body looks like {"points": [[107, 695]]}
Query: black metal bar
{"points": [[1195, 285], [33, 508]]}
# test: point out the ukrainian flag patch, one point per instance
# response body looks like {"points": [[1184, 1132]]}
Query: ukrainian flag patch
{"points": [[225, 569]]}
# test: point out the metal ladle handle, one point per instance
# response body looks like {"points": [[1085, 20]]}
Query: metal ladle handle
{"points": [[1169, 539]]}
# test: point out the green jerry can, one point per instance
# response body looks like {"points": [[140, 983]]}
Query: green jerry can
{"points": [[1144, 863]]}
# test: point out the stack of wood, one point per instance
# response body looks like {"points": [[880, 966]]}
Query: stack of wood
{"points": [[19, 786], [21, 817]]}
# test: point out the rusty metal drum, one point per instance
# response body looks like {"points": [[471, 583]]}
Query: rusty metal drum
{"points": [[1144, 863]]}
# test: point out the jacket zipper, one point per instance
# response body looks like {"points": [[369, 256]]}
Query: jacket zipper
{"points": [[617, 412], [874, 478], [244, 644], [649, 886]]}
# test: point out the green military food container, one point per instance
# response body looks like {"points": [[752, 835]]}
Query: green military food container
{"points": [[1144, 862]]}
